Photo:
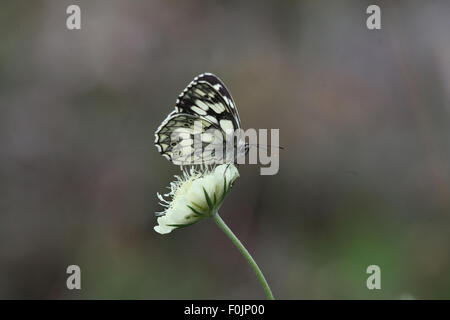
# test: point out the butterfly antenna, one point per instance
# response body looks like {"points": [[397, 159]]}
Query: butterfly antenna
{"points": [[265, 147]]}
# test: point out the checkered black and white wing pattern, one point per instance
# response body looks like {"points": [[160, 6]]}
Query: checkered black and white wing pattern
{"points": [[207, 96], [207, 102], [175, 139]]}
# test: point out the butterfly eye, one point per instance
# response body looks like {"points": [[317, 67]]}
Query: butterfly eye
{"points": [[186, 124], [173, 144]]}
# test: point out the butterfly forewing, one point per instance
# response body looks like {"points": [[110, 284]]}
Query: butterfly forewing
{"points": [[207, 96]]}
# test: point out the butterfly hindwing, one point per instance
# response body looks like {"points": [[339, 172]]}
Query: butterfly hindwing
{"points": [[176, 135]]}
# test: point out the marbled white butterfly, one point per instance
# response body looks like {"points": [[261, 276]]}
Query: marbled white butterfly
{"points": [[204, 128]]}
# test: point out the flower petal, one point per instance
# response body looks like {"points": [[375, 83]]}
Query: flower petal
{"points": [[195, 196]]}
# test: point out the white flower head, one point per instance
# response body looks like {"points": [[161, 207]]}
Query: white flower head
{"points": [[195, 195]]}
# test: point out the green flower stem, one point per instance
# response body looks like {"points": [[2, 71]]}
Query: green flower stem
{"points": [[245, 253]]}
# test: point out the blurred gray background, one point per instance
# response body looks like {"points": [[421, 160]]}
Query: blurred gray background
{"points": [[363, 115]]}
